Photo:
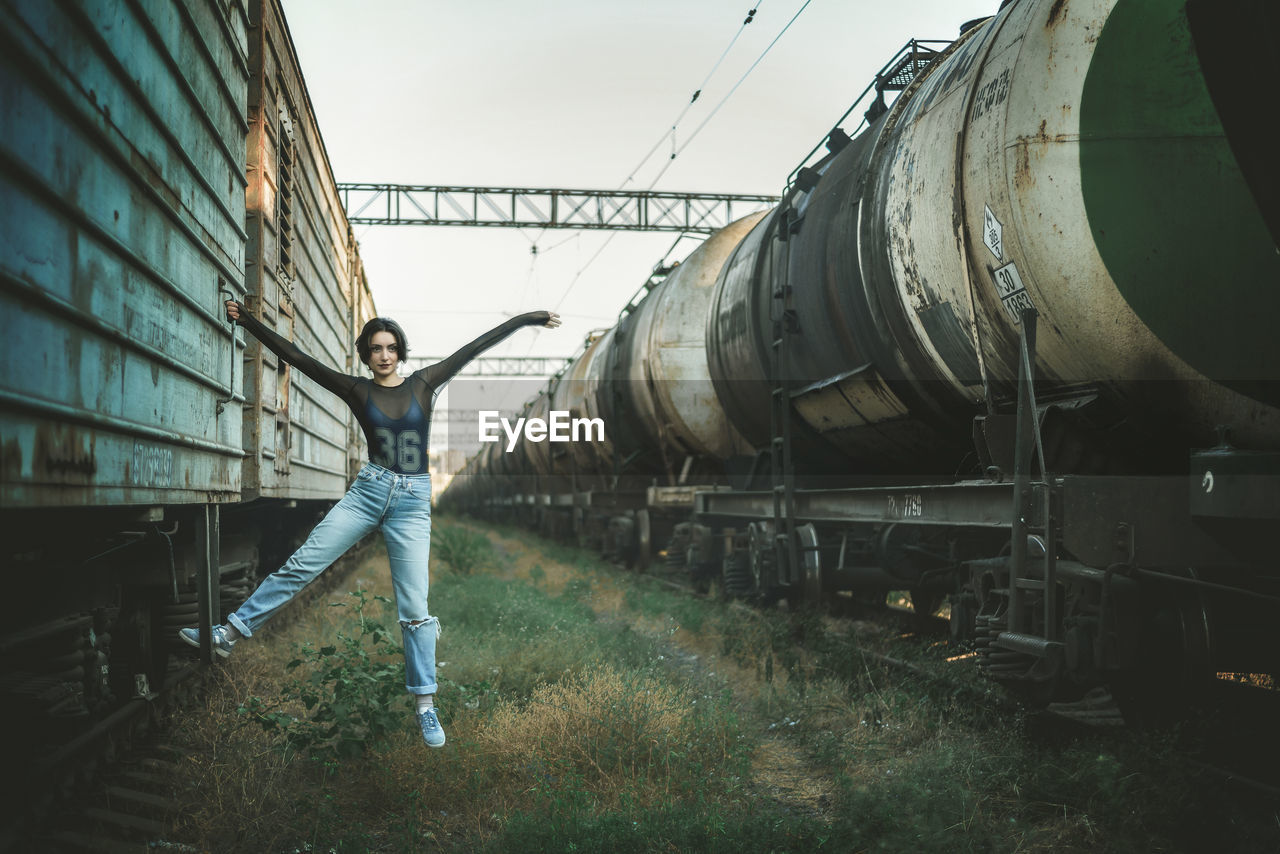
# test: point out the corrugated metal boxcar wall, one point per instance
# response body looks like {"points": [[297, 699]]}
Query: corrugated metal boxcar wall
{"points": [[121, 199], [302, 276], [363, 311]]}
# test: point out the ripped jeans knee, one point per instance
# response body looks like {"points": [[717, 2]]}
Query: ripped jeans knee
{"points": [[416, 625]]}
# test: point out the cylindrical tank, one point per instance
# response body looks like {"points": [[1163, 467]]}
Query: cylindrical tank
{"points": [[1102, 168], [662, 362], [738, 332], [1087, 178], [573, 395], [538, 452], [594, 399]]}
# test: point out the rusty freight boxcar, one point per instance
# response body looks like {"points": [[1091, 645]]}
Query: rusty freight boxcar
{"points": [[303, 277], [123, 218], [156, 158]]}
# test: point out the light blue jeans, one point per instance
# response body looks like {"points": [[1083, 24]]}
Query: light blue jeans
{"points": [[378, 498]]}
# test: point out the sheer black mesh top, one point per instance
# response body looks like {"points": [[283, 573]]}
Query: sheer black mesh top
{"points": [[396, 420]]}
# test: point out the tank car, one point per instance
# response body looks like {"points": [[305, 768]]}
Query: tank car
{"points": [[648, 379], [152, 460], [1007, 343]]}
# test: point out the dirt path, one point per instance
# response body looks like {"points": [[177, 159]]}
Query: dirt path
{"points": [[779, 770]]}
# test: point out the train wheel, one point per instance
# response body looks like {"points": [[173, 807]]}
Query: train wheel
{"points": [[810, 564], [926, 602], [761, 559], [1173, 669], [644, 541], [964, 613]]}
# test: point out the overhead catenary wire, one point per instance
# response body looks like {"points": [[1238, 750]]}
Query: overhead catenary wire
{"points": [[531, 276], [677, 151], [583, 269], [670, 132], [558, 244], [696, 94]]}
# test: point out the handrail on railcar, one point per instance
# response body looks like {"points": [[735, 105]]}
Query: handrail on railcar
{"points": [[894, 76]]}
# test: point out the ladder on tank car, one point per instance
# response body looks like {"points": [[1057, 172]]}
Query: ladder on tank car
{"points": [[782, 475], [895, 76], [1024, 580]]}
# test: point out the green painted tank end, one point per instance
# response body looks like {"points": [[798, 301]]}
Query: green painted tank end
{"points": [[1168, 207]]}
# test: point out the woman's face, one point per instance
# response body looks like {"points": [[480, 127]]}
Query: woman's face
{"points": [[384, 355]]}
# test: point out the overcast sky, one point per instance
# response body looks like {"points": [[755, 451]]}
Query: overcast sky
{"points": [[573, 93]]}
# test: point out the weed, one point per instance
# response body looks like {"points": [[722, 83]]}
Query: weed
{"points": [[516, 637], [348, 691], [703, 824], [578, 589], [569, 732], [686, 612], [608, 737], [463, 549]]}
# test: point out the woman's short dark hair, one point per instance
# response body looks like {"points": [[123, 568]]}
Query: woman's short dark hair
{"points": [[381, 324]]}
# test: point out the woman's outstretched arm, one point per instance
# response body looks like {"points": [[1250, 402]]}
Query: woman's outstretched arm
{"points": [[441, 372], [327, 377]]}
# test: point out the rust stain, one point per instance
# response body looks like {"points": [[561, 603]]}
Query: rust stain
{"points": [[1022, 177], [1055, 13], [65, 452], [11, 460]]}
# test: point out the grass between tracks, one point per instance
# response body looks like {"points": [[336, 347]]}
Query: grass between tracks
{"points": [[590, 710]]}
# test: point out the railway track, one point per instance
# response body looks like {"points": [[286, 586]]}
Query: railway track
{"points": [[1222, 734], [111, 789], [107, 777], [131, 808]]}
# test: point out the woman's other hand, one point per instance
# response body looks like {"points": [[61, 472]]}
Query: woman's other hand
{"points": [[233, 310], [553, 320]]}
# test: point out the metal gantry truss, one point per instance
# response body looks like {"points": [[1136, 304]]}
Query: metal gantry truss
{"points": [[511, 207]]}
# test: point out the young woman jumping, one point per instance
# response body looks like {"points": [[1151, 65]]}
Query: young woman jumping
{"points": [[392, 492]]}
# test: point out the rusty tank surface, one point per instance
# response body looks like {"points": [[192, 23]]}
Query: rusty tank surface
{"points": [[1026, 168], [664, 363]]}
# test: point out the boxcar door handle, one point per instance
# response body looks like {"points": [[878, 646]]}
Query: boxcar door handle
{"points": [[231, 383]]}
